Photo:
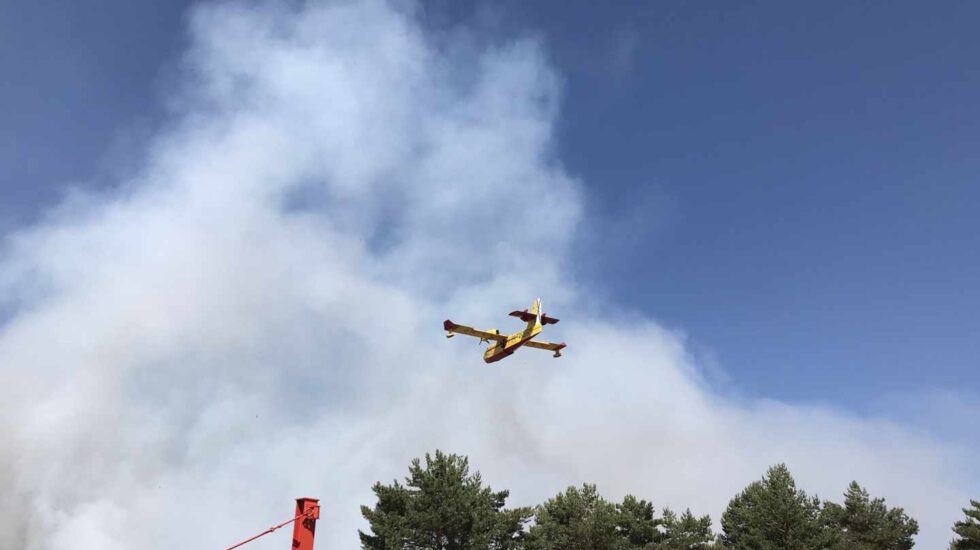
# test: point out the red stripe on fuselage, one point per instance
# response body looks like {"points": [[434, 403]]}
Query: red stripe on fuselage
{"points": [[506, 351], [498, 356]]}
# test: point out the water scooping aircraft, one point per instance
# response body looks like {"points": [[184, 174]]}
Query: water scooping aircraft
{"points": [[503, 345]]}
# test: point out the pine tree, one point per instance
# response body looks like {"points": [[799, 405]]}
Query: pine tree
{"points": [[686, 532], [968, 529], [578, 519], [636, 523], [863, 523], [772, 514], [442, 507]]}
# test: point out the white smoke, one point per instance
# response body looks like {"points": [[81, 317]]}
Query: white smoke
{"points": [[256, 316]]}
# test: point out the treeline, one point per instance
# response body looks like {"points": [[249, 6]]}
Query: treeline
{"points": [[443, 506]]}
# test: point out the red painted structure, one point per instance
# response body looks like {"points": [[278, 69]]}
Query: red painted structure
{"points": [[308, 510], [304, 525]]}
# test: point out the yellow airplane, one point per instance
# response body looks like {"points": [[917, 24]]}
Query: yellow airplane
{"points": [[504, 345]]}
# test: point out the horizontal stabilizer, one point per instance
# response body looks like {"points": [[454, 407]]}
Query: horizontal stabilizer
{"points": [[528, 317], [522, 315]]}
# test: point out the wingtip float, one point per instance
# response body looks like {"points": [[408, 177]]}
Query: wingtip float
{"points": [[504, 345]]}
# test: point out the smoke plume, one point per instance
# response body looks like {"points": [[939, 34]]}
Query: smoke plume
{"points": [[255, 315]]}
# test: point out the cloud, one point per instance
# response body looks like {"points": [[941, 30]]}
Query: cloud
{"points": [[255, 315]]}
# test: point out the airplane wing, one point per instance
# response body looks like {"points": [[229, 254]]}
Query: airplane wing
{"points": [[453, 328], [546, 345]]}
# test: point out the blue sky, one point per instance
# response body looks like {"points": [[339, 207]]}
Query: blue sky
{"points": [[284, 203], [792, 186]]}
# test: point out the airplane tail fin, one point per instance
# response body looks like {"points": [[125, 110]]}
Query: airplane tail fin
{"points": [[534, 315], [542, 316]]}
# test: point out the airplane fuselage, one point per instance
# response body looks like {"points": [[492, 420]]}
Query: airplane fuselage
{"points": [[499, 350], [501, 345]]}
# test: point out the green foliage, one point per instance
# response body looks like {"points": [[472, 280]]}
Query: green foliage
{"points": [[968, 530], [863, 523], [579, 519], [636, 524], [686, 532], [442, 507], [772, 514]]}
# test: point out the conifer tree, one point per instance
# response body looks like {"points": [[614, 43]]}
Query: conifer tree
{"points": [[578, 519], [686, 532], [636, 523], [442, 507], [863, 523], [772, 514], [968, 530]]}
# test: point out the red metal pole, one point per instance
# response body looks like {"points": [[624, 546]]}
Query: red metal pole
{"points": [[305, 528]]}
